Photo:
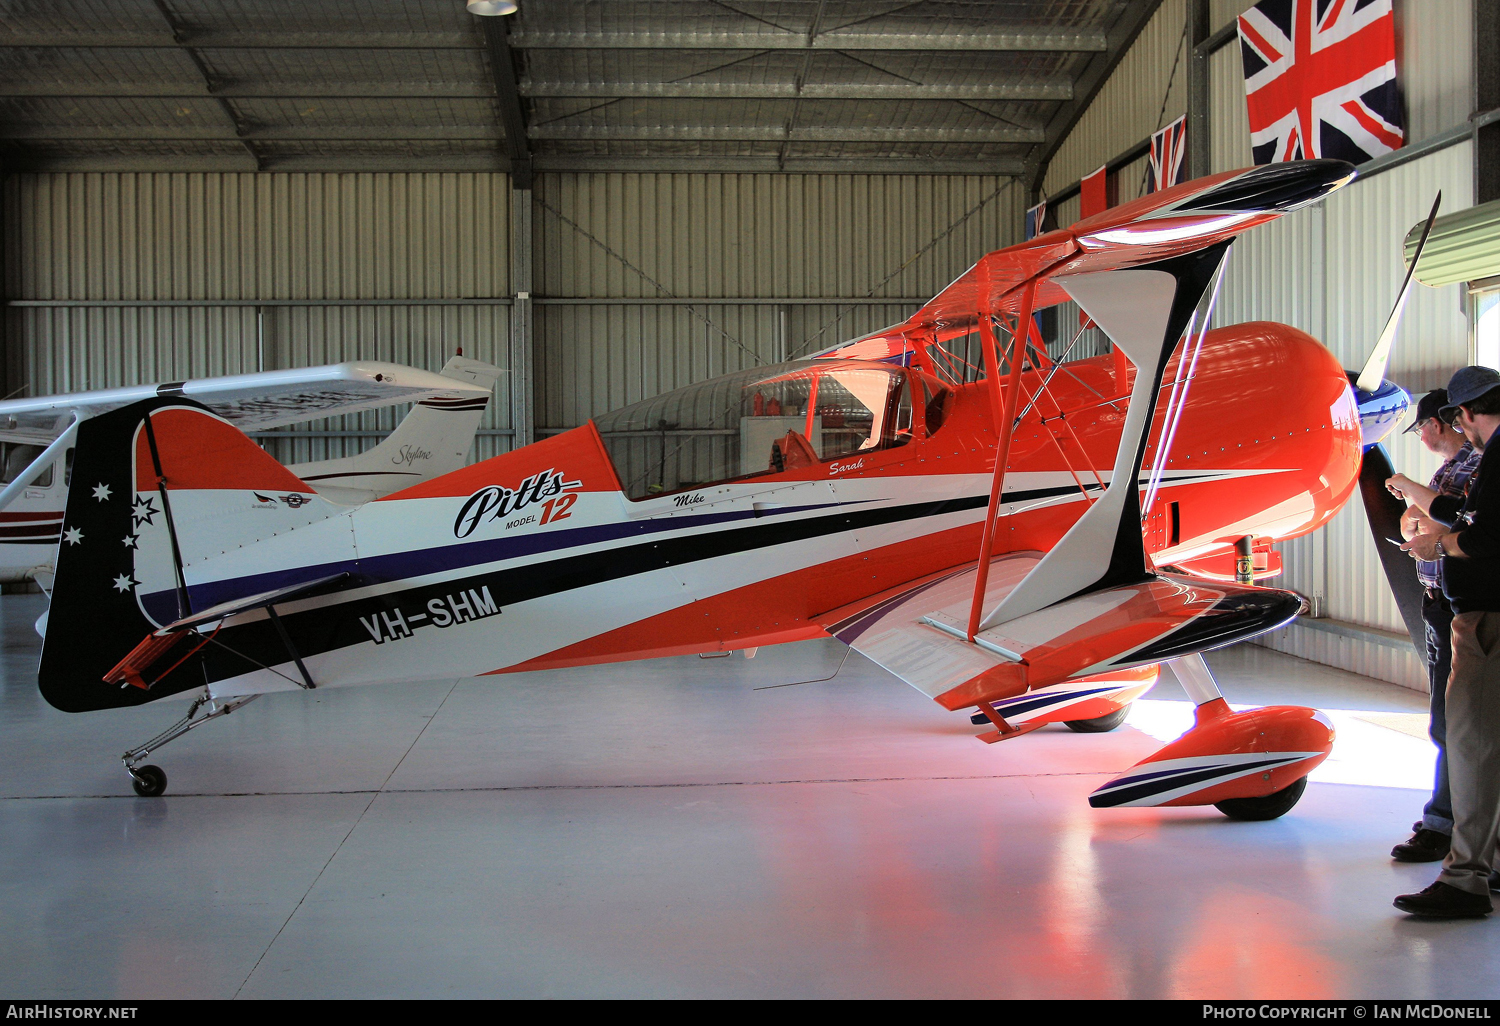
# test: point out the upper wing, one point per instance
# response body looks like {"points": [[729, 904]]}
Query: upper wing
{"points": [[268, 399], [1174, 222]]}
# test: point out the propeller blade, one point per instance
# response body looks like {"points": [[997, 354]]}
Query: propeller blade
{"points": [[1383, 511], [1374, 370]]}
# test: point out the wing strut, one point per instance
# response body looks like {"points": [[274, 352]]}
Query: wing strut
{"points": [[1005, 421]]}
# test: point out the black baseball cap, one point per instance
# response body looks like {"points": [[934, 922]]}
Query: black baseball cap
{"points": [[1428, 407], [1466, 385]]}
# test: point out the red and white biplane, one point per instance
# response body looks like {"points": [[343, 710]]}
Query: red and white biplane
{"points": [[1030, 542]]}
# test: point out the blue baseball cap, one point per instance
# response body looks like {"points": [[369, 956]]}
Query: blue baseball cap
{"points": [[1466, 385]]}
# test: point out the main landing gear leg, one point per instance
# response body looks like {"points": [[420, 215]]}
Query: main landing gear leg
{"points": [[1196, 678], [151, 781]]}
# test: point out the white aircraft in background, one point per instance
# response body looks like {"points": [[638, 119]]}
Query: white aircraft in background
{"points": [[36, 439]]}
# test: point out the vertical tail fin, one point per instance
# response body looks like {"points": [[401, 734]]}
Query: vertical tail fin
{"points": [[432, 440], [160, 489]]}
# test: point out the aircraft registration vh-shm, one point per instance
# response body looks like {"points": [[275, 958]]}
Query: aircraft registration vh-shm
{"points": [[1030, 544]]}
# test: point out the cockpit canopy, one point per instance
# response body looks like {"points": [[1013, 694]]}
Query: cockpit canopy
{"points": [[758, 422]]}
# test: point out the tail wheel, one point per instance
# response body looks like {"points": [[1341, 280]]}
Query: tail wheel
{"points": [[149, 781], [1101, 724], [1269, 807]]}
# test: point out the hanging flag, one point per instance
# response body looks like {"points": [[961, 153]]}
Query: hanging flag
{"points": [[1320, 79], [1034, 218], [1167, 152], [1093, 194]]}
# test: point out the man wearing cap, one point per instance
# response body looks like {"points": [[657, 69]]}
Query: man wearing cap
{"points": [[1432, 835], [1470, 553]]}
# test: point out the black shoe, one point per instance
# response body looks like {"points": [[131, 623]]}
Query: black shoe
{"points": [[1495, 882], [1424, 846], [1444, 901]]}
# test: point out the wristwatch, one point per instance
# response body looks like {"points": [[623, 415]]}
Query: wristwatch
{"points": [[1442, 553]]}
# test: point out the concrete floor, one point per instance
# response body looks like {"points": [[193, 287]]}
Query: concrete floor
{"points": [[662, 829]]}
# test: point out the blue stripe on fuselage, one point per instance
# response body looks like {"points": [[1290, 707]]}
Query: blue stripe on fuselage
{"points": [[161, 606]]}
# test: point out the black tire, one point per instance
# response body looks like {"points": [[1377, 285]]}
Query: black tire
{"points": [[1100, 724], [1269, 807], [149, 781]]}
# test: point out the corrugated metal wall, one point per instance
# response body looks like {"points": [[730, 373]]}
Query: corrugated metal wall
{"points": [[752, 236], [1436, 63], [236, 237], [1130, 106], [598, 239]]}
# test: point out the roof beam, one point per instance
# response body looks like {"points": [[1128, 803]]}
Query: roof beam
{"points": [[209, 133], [508, 95], [151, 163], [1004, 89], [597, 133], [20, 161], [252, 91], [807, 59], [1016, 89], [770, 164], [208, 80], [781, 133], [243, 41], [1016, 39]]}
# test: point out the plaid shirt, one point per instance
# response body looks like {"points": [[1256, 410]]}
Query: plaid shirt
{"points": [[1452, 478]]}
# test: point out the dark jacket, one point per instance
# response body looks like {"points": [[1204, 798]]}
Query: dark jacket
{"points": [[1472, 583]]}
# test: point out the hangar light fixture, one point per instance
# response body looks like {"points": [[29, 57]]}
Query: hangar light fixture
{"points": [[491, 8]]}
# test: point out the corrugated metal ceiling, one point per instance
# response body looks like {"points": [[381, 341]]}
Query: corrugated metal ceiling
{"points": [[385, 84]]}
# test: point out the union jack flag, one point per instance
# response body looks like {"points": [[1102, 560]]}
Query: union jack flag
{"points": [[1167, 152], [1320, 79]]}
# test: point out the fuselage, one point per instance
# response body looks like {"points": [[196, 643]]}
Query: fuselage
{"points": [[539, 558]]}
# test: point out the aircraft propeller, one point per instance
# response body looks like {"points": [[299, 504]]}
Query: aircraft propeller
{"points": [[1381, 405]]}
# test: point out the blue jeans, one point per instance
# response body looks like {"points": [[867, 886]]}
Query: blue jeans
{"points": [[1438, 615]]}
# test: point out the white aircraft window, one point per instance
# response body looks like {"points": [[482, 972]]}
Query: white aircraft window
{"points": [[15, 458], [764, 421]]}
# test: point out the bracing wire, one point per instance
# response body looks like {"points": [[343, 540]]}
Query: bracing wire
{"points": [[1187, 369]]}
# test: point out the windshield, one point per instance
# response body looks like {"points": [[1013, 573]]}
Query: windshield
{"points": [[764, 421]]}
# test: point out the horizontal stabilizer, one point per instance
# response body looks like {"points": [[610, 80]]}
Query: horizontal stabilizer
{"points": [[244, 605]]}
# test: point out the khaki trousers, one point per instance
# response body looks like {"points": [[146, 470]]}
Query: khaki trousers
{"points": [[1474, 750]]}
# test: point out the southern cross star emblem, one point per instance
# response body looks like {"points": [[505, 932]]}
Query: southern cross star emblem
{"points": [[125, 582], [143, 510], [131, 540], [101, 491], [72, 536]]}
